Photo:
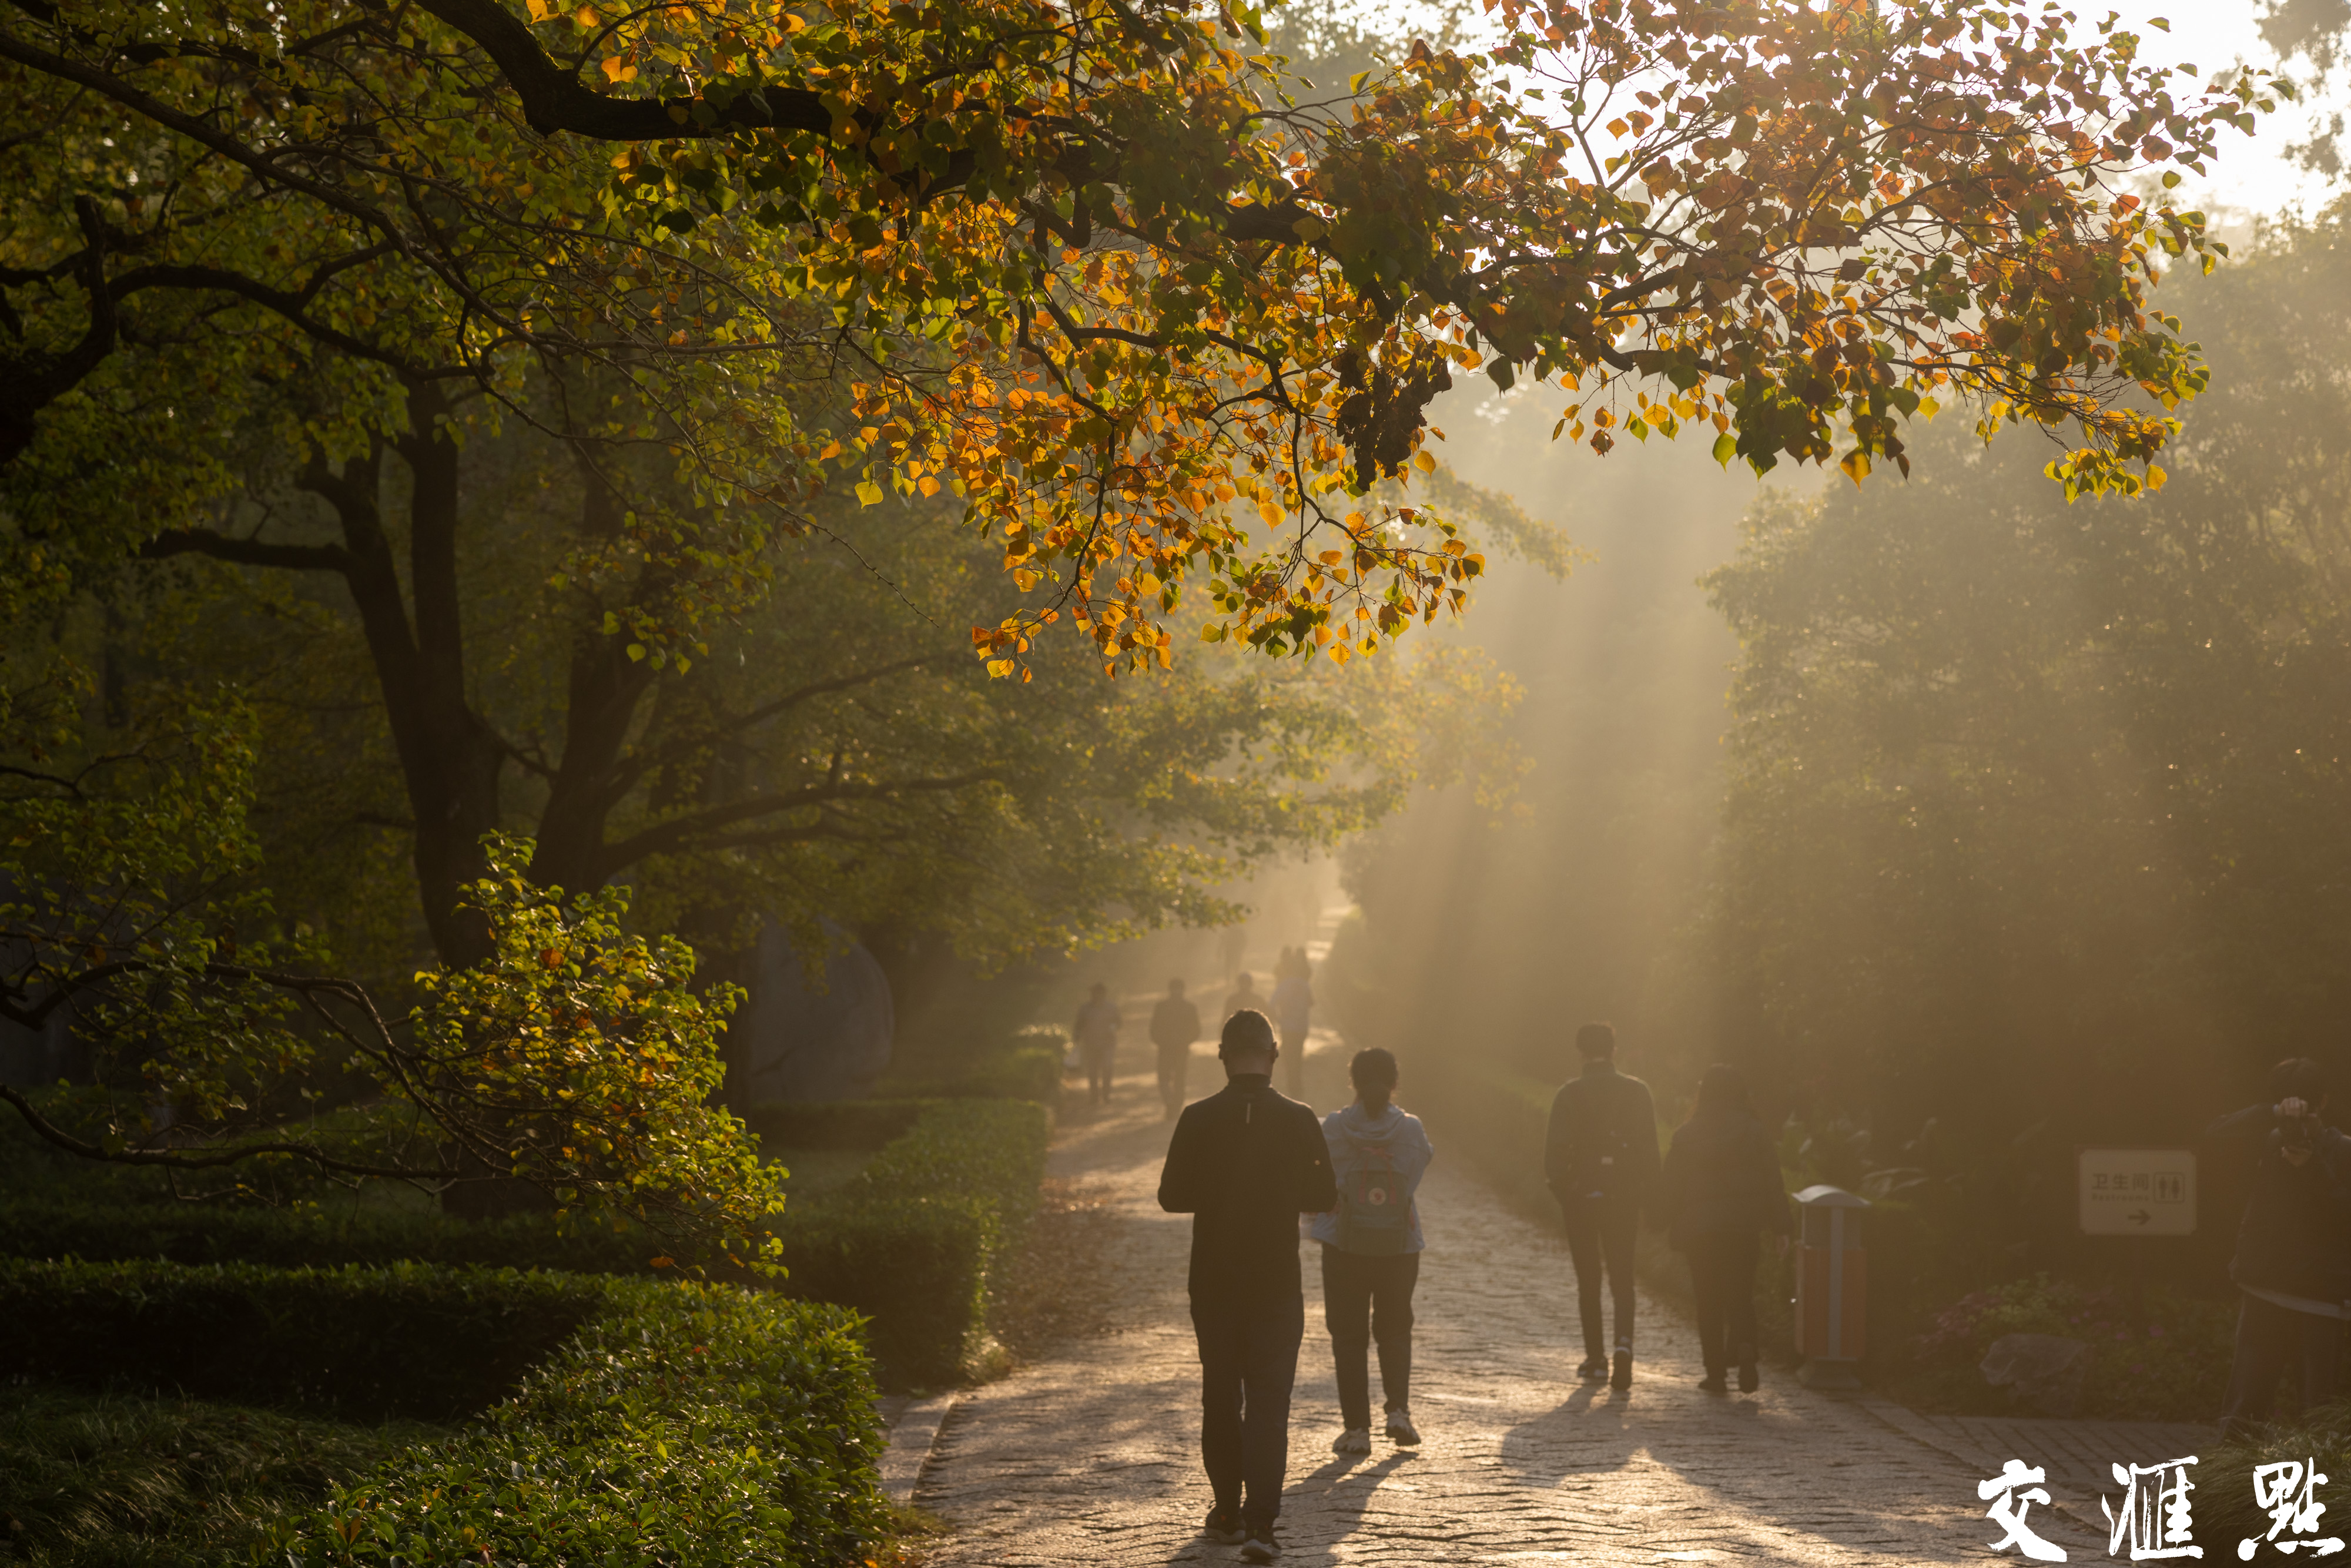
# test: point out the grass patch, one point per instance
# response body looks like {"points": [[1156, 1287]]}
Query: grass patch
{"points": [[109, 1481]]}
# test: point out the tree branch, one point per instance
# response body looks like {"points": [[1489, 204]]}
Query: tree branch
{"points": [[247, 552], [554, 97], [176, 1159], [680, 832]]}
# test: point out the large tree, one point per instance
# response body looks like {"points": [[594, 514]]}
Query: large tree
{"points": [[1147, 306]]}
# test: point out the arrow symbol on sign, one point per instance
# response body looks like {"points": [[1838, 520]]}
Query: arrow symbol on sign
{"points": [[2141, 1218]]}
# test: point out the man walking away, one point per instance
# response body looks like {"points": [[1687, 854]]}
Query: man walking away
{"points": [[1174, 1025], [1294, 1011], [1245, 1164], [1601, 1160], [1096, 1033], [2291, 1266], [1721, 1185]]}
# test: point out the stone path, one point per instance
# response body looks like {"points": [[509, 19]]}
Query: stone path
{"points": [[1090, 1457]]}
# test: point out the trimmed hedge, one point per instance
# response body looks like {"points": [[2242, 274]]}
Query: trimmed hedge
{"points": [[912, 1242], [1028, 1071], [687, 1426], [830, 1123], [361, 1344], [690, 1425], [287, 1238]]}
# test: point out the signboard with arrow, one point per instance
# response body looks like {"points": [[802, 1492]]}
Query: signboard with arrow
{"points": [[2138, 1192]]}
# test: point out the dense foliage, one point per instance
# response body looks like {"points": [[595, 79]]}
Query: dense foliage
{"points": [[915, 1241], [2035, 811], [120, 1482], [363, 1342], [1101, 274], [678, 1424], [687, 1426]]}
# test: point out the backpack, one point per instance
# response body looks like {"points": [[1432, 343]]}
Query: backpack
{"points": [[1375, 1208], [1607, 1165]]}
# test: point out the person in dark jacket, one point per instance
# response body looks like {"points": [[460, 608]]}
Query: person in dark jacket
{"points": [[1721, 1187], [2293, 1267], [1601, 1160], [1245, 1164], [1174, 1025]]}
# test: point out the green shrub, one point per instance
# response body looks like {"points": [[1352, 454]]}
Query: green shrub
{"points": [[912, 1241], [187, 1233], [635, 1420], [830, 1125], [1021, 1064], [686, 1425], [2155, 1356], [359, 1344], [917, 1269], [106, 1481], [1027, 1071]]}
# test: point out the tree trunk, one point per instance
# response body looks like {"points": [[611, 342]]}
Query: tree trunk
{"points": [[450, 758]]}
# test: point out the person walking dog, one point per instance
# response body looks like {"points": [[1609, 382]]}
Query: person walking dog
{"points": [[1600, 1157], [1371, 1250], [1721, 1187], [1245, 1164]]}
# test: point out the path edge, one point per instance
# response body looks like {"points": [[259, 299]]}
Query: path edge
{"points": [[912, 1435]]}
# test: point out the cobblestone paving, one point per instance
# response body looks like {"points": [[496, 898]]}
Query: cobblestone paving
{"points": [[1090, 1457]]}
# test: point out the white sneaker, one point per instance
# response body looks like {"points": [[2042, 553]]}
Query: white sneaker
{"points": [[1401, 1431], [1354, 1440]]}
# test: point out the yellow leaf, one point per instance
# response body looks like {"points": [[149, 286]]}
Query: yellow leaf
{"points": [[868, 493], [1423, 462]]}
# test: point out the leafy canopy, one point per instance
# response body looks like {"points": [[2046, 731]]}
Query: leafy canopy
{"points": [[1154, 310]]}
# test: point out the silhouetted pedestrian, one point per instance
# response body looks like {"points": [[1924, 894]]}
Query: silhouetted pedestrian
{"points": [[1371, 1250], [1722, 1186], [1096, 1034], [1601, 1160], [1243, 997], [1294, 1013], [1174, 1025], [2293, 1266], [1245, 1164]]}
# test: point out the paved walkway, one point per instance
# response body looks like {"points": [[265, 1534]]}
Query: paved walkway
{"points": [[1090, 1455]]}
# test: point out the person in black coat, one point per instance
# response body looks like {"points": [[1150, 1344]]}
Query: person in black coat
{"points": [[2293, 1266], [1721, 1188], [1245, 1164], [1600, 1157]]}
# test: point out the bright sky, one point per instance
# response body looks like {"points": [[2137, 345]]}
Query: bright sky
{"points": [[2252, 176]]}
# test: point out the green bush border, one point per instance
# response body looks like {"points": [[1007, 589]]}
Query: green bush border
{"points": [[913, 1242], [694, 1425]]}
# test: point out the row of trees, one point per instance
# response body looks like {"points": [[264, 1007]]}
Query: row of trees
{"points": [[426, 426], [2038, 811]]}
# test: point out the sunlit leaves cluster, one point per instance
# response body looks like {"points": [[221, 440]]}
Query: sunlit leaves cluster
{"points": [[1160, 316]]}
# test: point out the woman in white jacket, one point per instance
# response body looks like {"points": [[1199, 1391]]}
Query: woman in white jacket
{"points": [[1371, 1249]]}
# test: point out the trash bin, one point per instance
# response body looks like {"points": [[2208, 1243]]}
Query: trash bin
{"points": [[1831, 1287]]}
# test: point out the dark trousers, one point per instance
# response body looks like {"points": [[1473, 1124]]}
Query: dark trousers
{"points": [[1249, 1359], [1367, 1299], [1174, 1061], [1722, 1276], [1101, 1063], [1598, 1233], [2275, 1341]]}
